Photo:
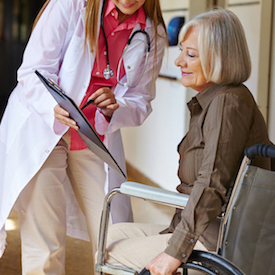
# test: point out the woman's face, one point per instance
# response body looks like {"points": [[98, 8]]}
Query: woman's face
{"points": [[190, 63], [127, 7]]}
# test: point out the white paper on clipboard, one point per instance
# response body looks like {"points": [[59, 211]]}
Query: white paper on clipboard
{"points": [[86, 131]]}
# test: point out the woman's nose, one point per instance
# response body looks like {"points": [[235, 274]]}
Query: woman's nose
{"points": [[176, 61], [179, 61]]}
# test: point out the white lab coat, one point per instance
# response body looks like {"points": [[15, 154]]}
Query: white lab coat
{"points": [[29, 131]]}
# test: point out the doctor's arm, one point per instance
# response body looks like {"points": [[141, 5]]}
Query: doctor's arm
{"points": [[43, 53]]}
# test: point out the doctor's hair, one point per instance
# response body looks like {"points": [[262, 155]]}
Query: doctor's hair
{"points": [[151, 8], [40, 13], [222, 46]]}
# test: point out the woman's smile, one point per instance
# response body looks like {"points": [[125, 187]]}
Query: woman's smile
{"points": [[190, 63]]}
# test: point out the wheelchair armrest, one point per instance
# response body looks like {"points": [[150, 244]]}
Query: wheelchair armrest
{"points": [[154, 194]]}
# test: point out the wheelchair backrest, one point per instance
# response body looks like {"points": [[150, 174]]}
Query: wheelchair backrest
{"points": [[249, 236]]}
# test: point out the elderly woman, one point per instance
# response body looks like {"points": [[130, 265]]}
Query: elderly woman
{"points": [[214, 61]]}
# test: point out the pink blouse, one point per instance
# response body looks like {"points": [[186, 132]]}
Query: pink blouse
{"points": [[117, 36]]}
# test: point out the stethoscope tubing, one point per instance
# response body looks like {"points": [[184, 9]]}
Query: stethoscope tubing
{"points": [[147, 36], [141, 75], [108, 72]]}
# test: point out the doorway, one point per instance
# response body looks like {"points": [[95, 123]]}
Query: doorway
{"points": [[16, 18]]}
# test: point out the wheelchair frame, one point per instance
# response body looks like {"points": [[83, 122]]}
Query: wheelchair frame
{"points": [[199, 260], [137, 190], [207, 262]]}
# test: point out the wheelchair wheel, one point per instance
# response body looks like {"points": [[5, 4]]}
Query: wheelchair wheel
{"points": [[209, 263]]}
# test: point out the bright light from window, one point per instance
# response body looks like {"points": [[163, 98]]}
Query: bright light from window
{"points": [[10, 225]]}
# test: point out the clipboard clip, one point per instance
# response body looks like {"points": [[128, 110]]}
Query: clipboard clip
{"points": [[56, 86]]}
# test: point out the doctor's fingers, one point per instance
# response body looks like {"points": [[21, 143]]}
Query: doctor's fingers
{"points": [[108, 111], [63, 117], [103, 94], [58, 110], [108, 104]]}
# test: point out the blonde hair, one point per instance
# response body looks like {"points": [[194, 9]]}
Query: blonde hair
{"points": [[222, 47], [151, 7]]}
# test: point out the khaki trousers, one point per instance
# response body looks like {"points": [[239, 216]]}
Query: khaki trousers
{"points": [[133, 245], [42, 207]]}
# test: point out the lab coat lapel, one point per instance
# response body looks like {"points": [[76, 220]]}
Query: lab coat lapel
{"points": [[133, 56]]}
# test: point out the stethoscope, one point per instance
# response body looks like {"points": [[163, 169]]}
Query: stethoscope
{"points": [[107, 73]]}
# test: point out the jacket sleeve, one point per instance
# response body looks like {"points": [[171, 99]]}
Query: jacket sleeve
{"points": [[226, 130], [134, 103], [44, 53]]}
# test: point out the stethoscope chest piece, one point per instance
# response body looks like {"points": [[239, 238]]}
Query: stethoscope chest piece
{"points": [[107, 73]]}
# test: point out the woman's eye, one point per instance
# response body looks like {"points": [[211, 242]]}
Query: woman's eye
{"points": [[191, 55]]}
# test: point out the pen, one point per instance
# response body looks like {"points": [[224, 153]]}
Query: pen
{"points": [[87, 103]]}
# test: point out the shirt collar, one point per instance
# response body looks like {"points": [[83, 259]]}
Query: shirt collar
{"points": [[204, 98], [138, 17]]}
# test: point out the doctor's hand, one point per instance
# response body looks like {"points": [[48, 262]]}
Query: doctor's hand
{"points": [[64, 117], [163, 264], [104, 99]]}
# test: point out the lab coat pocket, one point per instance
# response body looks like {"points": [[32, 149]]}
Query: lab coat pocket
{"points": [[15, 117], [73, 54]]}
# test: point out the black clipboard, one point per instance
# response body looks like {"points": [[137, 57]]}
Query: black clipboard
{"points": [[86, 131]]}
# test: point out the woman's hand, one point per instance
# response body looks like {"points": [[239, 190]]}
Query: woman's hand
{"points": [[105, 100], [64, 117], [163, 264]]}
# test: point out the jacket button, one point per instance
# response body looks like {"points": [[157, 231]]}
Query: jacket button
{"points": [[183, 255], [192, 241]]}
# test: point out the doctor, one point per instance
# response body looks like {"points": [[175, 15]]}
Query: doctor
{"points": [[47, 174]]}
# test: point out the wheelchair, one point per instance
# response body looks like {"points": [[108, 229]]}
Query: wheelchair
{"points": [[246, 238]]}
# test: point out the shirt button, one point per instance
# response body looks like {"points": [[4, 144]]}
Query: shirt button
{"points": [[192, 241], [112, 34], [183, 255], [105, 53], [97, 73], [112, 14], [47, 151]]}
